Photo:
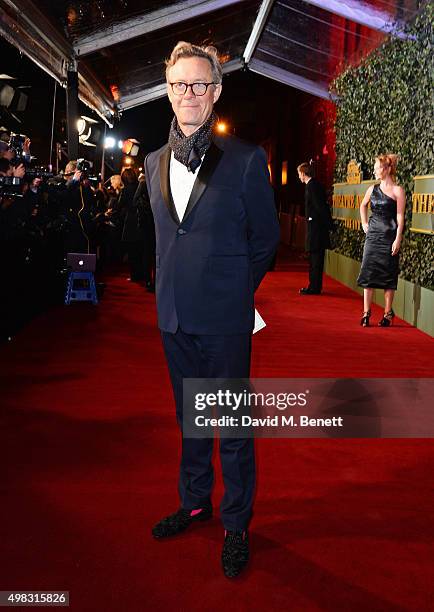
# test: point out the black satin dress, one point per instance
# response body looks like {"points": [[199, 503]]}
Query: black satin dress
{"points": [[379, 267]]}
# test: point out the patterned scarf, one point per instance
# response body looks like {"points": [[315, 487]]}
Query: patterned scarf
{"points": [[189, 149]]}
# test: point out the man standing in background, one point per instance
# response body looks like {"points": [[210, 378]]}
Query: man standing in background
{"points": [[318, 225]]}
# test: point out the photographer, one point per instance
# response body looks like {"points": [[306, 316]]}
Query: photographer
{"points": [[132, 233], [10, 189], [146, 224], [77, 203], [6, 153], [18, 146], [14, 247], [107, 230]]}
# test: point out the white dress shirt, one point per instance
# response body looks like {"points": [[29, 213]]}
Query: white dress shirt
{"points": [[181, 184]]}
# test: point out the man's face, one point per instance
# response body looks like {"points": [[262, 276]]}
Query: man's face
{"points": [[190, 110], [301, 176]]}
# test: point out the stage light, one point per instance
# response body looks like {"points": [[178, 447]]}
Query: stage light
{"points": [[120, 144], [221, 127], [131, 147], [84, 128], [128, 161], [81, 126], [109, 142]]}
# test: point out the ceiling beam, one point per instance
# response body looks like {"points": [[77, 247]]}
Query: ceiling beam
{"points": [[289, 78], [95, 95], [25, 27], [146, 23], [257, 29], [363, 13], [143, 97], [30, 14], [159, 91], [232, 65]]}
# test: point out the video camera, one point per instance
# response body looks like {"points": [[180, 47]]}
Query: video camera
{"points": [[11, 186], [83, 165], [16, 143], [38, 172]]}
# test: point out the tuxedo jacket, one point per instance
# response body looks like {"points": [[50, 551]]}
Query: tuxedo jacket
{"points": [[318, 211], [209, 264]]}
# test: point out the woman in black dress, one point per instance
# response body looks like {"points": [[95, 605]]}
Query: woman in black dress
{"points": [[383, 238]]}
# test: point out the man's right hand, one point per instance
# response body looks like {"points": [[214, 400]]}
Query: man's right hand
{"points": [[77, 176]]}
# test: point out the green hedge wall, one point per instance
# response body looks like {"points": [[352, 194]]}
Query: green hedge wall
{"points": [[386, 105]]}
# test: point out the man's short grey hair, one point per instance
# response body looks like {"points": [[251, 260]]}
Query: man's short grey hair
{"points": [[184, 49]]}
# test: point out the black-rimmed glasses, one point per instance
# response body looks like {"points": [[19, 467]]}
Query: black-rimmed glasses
{"points": [[199, 89]]}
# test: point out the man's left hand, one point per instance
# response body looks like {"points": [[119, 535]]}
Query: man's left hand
{"points": [[20, 171]]}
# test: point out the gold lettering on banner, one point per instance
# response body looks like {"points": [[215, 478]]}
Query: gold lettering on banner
{"points": [[351, 224], [354, 174], [423, 203], [346, 201], [348, 223]]}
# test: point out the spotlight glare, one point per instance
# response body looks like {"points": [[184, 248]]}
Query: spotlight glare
{"points": [[221, 127], [109, 142], [120, 144]]}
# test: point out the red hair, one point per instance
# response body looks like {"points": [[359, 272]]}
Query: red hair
{"points": [[389, 160]]}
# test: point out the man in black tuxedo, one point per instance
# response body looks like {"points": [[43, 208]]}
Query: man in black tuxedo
{"points": [[318, 223], [216, 232]]}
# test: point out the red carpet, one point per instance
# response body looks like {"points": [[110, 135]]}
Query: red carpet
{"points": [[90, 447]]}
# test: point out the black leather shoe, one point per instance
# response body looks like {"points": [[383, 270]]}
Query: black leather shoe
{"points": [[309, 291], [235, 554], [180, 520]]}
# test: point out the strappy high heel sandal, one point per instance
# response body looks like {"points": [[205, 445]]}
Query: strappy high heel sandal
{"points": [[387, 319], [365, 319]]}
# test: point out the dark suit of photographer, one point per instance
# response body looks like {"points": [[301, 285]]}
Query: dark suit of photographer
{"points": [[132, 234], [78, 205], [146, 223], [15, 261]]}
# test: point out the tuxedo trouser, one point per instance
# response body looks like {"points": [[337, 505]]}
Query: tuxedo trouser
{"points": [[209, 356], [316, 267]]}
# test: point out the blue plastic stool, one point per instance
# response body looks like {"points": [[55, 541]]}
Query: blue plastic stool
{"points": [[81, 294]]}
